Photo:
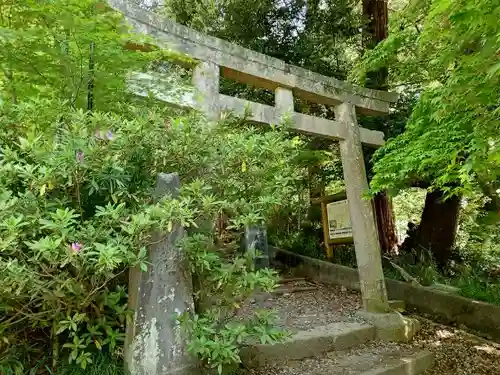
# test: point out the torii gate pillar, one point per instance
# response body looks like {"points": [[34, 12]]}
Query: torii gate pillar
{"points": [[366, 243]]}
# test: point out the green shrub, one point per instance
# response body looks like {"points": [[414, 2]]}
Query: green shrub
{"points": [[76, 213], [76, 208], [102, 365], [479, 288]]}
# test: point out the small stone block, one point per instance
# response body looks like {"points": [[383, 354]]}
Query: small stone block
{"points": [[397, 305], [261, 262], [391, 326], [414, 364]]}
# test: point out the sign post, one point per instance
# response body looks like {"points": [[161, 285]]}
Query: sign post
{"points": [[339, 221], [337, 228]]}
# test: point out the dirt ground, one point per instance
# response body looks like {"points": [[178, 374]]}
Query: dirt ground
{"points": [[456, 351]]}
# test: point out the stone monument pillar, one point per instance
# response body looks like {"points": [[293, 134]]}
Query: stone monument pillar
{"points": [[154, 344], [206, 78], [255, 240]]}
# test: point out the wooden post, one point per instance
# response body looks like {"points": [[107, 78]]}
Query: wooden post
{"points": [[206, 78], [326, 234], [364, 229]]}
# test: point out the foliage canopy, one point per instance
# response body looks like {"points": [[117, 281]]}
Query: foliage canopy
{"points": [[449, 51]]}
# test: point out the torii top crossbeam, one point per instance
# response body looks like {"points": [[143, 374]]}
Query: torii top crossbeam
{"points": [[257, 69]]}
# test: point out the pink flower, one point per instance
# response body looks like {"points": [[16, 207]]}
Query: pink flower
{"points": [[107, 135], [80, 156], [76, 247]]}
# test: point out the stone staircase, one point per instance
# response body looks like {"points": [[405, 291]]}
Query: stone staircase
{"points": [[349, 346]]}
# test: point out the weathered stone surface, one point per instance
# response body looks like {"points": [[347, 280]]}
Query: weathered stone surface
{"points": [[397, 305], [144, 84], [364, 227], [306, 124], [283, 101], [445, 288], [206, 77], [448, 308], [304, 344], [264, 71], [315, 269], [414, 364], [391, 326], [154, 343], [250, 66], [255, 241]]}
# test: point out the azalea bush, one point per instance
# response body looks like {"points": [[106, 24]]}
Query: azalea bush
{"points": [[76, 212], [215, 330], [79, 156]]}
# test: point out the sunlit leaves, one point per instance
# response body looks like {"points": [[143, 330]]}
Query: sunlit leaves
{"points": [[45, 51], [223, 285], [450, 50], [76, 188]]}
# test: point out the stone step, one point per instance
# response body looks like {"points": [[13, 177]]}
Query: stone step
{"points": [[292, 289], [311, 343], [414, 364], [294, 285], [372, 359], [286, 280]]}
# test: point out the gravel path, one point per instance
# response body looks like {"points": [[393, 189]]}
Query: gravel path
{"points": [[306, 310], [348, 362], [456, 351]]}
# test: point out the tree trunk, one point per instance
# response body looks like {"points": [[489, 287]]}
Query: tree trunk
{"points": [[316, 183], [376, 18], [376, 15], [438, 226], [385, 223]]}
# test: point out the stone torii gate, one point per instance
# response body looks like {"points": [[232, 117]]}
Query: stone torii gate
{"points": [[215, 57]]}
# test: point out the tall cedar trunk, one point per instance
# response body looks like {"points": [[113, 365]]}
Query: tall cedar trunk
{"points": [[376, 18], [438, 226], [316, 184], [385, 223]]}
